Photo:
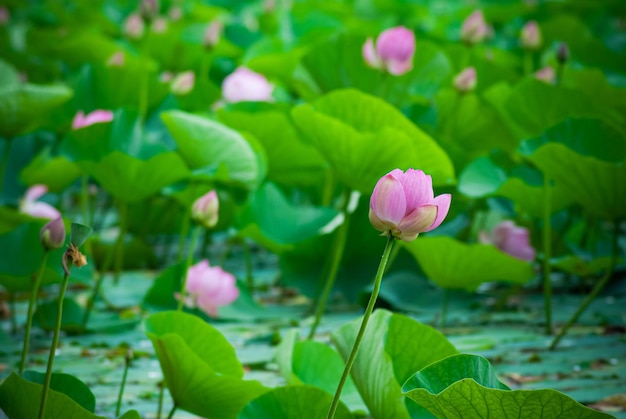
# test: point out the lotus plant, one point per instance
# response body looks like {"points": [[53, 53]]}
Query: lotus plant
{"points": [[511, 239], [393, 51], [465, 81], [530, 37], [245, 85], [474, 29], [209, 288], [402, 206]]}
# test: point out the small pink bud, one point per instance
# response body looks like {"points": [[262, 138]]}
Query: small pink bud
{"points": [[212, 34], [546, 74], [116, 60], [403, 205], [210, 287], [175, 13], [98, 116], [52, 235], [465, 81], [393, 51], [4, 15], [474, 29], [531, 36], [134, 27], [205, 210], [244, 85], [31, 206], [159, 25], [510, 239], [149, 9], [183, 83]]}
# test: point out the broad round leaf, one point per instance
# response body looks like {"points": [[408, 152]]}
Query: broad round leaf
{"points": [[466, 386], [450, 263]]}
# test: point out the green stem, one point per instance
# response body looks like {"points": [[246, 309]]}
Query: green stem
{"points": [[392, 257], [328, 188], [171, 415], [11, 298], [31, 310], [366, 316], [444, 307], [596, 289], [122, 385], [337, 254], [161, 393], [84, 199], [248, 258], [192, 248], [144, 84], [6, 150], [55, 343], [184, 233], [547, 250], [528, 62], [119, 243]]}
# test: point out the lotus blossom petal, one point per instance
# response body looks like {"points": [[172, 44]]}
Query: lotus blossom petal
{"points": [[29, 205], [209, 287], [511, 239], [393, 51], [244, 85], [418, 221]]}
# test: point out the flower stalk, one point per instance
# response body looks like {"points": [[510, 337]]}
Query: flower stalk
{"points": [[192, 247]]}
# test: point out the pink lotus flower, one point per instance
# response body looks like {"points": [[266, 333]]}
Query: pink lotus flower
{"points": [[393, 52], [52, 235], [244, 85], [5, 15], [96, 117], [212, 33], [205, 210], [403, 204], [510, 239], [210, 287], [546, 74], [134, 27], [116, 60], [159, 25], [530, 37], [465, 81], [474, 29], [29, 205], [183, 83]]}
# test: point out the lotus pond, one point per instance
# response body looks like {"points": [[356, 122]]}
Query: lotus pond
{"points": [[307, 209]]}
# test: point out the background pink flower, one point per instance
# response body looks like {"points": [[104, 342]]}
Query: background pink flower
{"points": [[244, 85], [210, 287], [511, 239], [393, 51], [31, 206], [96, 117]]}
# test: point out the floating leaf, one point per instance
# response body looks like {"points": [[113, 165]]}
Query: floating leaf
{"points": [[200, 366], [466, 386], [205, 143], [393, 348], [363, 137], [450, 263]]}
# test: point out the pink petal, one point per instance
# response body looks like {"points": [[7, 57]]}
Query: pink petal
{"points": [[418, 188], [369, 54], [396, 44], [388, 200], [417, 222], [195, 275], [35, 192], [398, 68], [40, 210], [443, 206], [244, 85]]}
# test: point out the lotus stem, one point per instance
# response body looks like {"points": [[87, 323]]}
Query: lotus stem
{"points": [[127, 360], [55, 343], [190, 253], [161, 393], [596, 289], [31, 310], [184, 233], [368, 312], [547, 250], [119, 243], [248, 258], [6, 150], [171, 414], [444, 307], [339, 245]]}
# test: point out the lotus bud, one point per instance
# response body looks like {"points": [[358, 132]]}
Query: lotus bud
{"points": [[183, 83], [134, 27], [244, 85], [175, 13], [149, 10], [403, 205], [531, 36], [212, 34], [562, 54], [510, 239], [4, 15], [205, 210], [98, 116], [474, 29], [159, 25], [116, 60], [210, 287], [465, 81], [546, 74], [52, 235], [393, 51]]}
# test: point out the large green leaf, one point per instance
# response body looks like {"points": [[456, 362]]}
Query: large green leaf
{"points": [[599, 186], [364, 137], [19, 399], [68, 385], [530, 199], [23, 105], [204, 143], [293, 402], [394, 347], [480, 178], [450, 263], [466, 386], [200, 366], [56, 172], [130, 179], [290, 160], [281, 221]]}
